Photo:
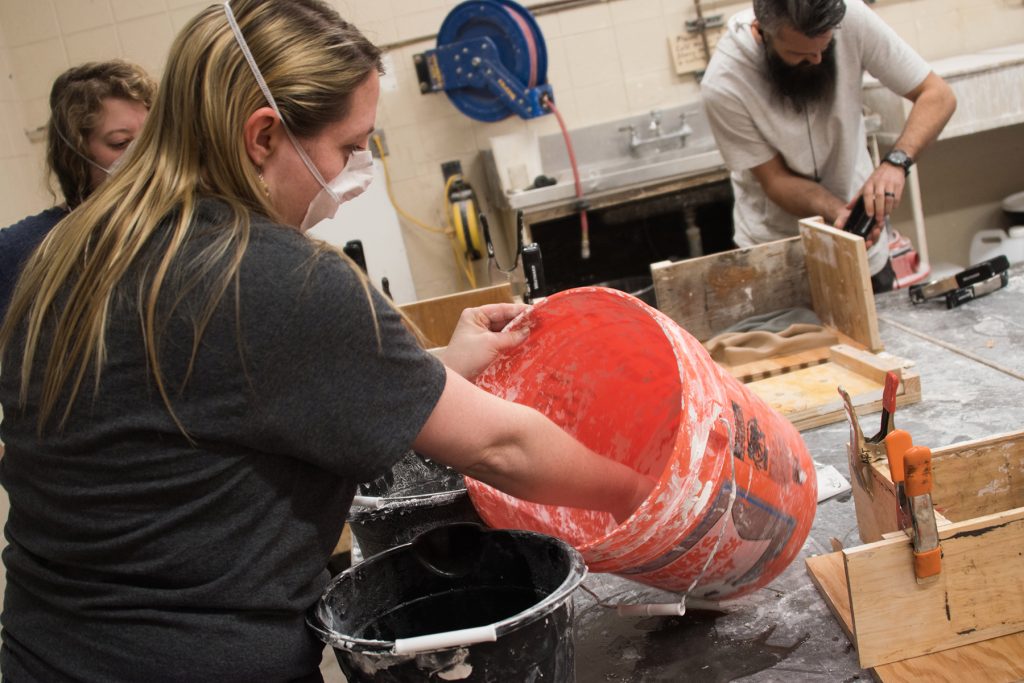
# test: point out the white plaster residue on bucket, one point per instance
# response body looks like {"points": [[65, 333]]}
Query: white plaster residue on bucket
{"points": [[455, 671], [702, 499], [371, 665]]}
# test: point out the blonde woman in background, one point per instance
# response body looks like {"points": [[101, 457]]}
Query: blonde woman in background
{"points": [[96, 110], [202, 386]]}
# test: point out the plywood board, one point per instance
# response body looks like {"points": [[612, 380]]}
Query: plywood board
{"points": [[996, 660], [824, 269], [840, 282], [978, 595], [812, 391], [344, 543], [875, 504], [436, 318], [778, 365], [971, 479], [979, 477], [706, 295], [810, 398]]}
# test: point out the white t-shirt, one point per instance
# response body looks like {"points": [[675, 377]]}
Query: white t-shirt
{"points": [[750, 128]]}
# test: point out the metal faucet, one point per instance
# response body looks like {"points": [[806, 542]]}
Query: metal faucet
{"points": [[656, 135], [655, 125]]}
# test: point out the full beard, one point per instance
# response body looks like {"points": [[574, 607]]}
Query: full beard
{"points": [[802, 85]]}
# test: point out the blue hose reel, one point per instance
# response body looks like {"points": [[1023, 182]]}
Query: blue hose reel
{"points": [[490, 60]]}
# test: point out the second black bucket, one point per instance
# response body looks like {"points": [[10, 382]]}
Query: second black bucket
{"points": [[459, 603], [417, 494]]}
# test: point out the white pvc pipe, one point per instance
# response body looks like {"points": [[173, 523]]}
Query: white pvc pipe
{"points": [[440, 641], [916, 205], [667, 609]]}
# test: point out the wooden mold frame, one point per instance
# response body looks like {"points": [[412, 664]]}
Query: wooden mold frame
{"points": [[823, 269], [968, 625]]}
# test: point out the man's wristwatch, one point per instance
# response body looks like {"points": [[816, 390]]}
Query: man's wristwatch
{"points": [[897, 157]]}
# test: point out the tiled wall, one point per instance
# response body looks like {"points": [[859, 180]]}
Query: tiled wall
{"points": [[41, 38], [606, 61]]}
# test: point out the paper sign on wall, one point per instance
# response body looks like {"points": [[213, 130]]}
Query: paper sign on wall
{"points": [[688, 49]]}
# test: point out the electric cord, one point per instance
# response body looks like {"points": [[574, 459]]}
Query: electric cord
{"points": [[391, 196], [461, 258], [485, 226], [449, 231]]}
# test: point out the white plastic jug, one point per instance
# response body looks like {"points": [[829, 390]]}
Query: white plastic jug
{"points": [[990, 243]]}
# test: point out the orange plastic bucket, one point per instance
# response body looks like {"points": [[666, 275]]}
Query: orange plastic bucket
{"points": [[736, 491]]}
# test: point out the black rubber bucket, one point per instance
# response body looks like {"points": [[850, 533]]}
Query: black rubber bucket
{"points": [[459, 603], [416, 495]]}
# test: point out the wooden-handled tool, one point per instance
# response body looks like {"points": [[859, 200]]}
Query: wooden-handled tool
{"points": [[897, 443], [856, 449], [862, 451], [917, 472], [892, 385]]}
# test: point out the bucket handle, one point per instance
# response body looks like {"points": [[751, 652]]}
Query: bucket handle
{"points": [[664, 609], [376, 502], [653, 609], [440, 641]]}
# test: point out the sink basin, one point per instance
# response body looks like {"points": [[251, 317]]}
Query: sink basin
{"points": [[618, 175], [607, 162]]}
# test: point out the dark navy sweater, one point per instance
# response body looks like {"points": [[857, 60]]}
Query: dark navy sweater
{"points": [[17, 243]]}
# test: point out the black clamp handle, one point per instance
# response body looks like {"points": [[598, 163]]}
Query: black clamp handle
{"points": [[965, 294], [986, 270]]}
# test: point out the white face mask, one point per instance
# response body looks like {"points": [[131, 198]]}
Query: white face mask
{"points": [[348, 184]]}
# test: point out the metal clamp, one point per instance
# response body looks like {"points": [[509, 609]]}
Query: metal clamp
{"points": [[979, 272], [965, 294]]}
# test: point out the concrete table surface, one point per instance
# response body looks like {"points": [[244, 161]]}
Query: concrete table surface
{"points": [[990, 329], [971, 363]]}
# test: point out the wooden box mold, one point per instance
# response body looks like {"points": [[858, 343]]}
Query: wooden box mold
{"points": [[823, 269], [967, 625]]}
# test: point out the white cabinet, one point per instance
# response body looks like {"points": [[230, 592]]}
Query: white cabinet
{"points": [[371, 218]]}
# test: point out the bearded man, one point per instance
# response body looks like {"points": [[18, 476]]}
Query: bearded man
{"points": [[783, 95]]}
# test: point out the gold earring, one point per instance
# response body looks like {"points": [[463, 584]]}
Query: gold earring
{"points": [[266, 188]]}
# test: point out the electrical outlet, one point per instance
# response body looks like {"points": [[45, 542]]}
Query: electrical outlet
{"points": [[450, 168], [378, 138]]}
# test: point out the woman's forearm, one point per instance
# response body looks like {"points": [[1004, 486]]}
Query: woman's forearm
{"points": [[521, 452], [543, 464]]}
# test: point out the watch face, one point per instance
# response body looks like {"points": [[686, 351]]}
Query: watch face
{"points": [[899, 158]]}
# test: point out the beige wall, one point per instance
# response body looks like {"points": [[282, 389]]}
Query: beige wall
{"points": [[606, 61], [41, 38]]}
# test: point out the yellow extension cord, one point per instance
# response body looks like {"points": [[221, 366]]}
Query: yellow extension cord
{"points": [[461, 258], [462, 216]]}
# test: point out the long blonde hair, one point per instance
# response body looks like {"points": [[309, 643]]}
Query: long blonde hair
{"points": [[191, 147]]}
